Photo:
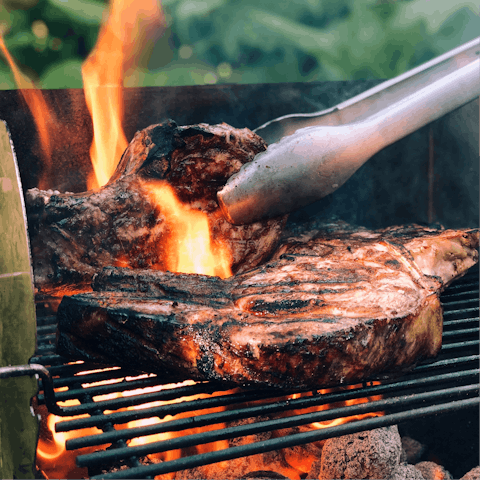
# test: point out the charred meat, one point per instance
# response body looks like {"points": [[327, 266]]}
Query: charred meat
{"points": [[73, 236], [338, 306]]}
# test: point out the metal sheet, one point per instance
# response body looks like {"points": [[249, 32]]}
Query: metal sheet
{"points": [[18, 426]]}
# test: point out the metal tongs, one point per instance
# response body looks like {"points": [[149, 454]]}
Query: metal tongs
{"points": [[317, 153]]}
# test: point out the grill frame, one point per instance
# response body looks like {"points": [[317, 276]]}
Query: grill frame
{"points": [[447, 383]]}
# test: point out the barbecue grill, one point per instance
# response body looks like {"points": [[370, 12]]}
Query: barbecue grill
{"points": [[447, 383]]}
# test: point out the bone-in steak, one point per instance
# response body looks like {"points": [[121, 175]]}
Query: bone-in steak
{"points": [[73, 236], [336, 307]]}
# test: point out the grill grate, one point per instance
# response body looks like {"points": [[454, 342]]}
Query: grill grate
{"points": [[447, 383]]}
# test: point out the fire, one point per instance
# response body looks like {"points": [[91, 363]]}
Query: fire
{"points": [[189, 247], [56, 462], [52, 457], [43, 115], [356, 401], [124, 41], [126, 34], [130, 26]]}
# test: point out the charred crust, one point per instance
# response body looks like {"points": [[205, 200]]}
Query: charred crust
{"points": [[282, 306], [205, 365], [191, 131], [162, 141], [393, 263]]}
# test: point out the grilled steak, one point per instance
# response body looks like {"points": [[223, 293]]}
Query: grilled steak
{"points": [[73, 236], [339, 306]]}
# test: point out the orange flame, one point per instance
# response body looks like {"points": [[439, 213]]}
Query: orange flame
{"points": [[56, 462], [130, 25], [189, 247], [43, 115], [52, 457]]}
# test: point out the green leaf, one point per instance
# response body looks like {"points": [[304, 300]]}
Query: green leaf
{"points": [[6, 80], [21, 39], [67, 74], [459, 28], [188, 10], [174, 74], [266, 28], [86, 12], [433, 13]]}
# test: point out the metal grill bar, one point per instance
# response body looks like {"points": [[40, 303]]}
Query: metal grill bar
{"points": [[461, 345], [447, 383], [284, 442], [286, 405], [464, 312], [470, 301], [460, 321], [468, 282], [103, 389], [269, 425], [460, 333], [162, 411], [464, 289]]}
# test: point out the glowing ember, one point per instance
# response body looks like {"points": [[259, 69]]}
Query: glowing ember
{"points": [[129, 26], [189, 247], [43, 116]]}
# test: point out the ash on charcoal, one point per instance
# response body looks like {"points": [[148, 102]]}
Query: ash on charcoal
{"points": [[406, 472], [412, 450], [314, 473], [473, 474], [433, 471], [370, 454]]}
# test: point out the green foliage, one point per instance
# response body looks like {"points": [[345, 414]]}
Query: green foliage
{"points": [[246, 41], [65, 74]]}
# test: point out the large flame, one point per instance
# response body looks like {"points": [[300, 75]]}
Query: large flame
{"points": [[130, 26], [189, 247], [43, 115]]}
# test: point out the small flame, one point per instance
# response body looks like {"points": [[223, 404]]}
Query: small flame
{"points": [[56, 462], [52, 457], [304, 463], [345, 403], [43, 115], [189, 247], [129, 26]]}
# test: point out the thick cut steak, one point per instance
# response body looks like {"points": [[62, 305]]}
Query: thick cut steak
{"points": [[73, 236], [337, 306]]}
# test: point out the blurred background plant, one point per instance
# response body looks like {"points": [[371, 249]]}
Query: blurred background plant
{"points": [[242, 41]]}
